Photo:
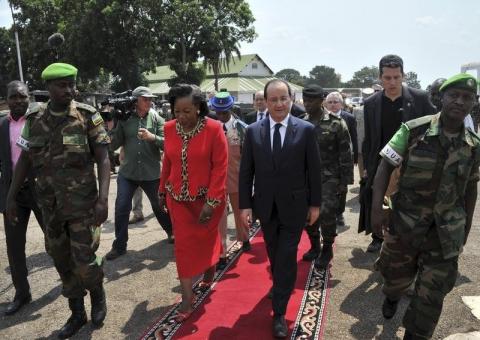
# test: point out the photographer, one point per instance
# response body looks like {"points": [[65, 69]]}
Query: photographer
{"points": [[141, 136]]}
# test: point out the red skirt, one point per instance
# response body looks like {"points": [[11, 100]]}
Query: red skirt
{"points": [[197, 246]]}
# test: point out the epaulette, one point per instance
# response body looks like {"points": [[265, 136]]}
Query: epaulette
{"points": [[414, 123], [242, 123], [474, 136], [34, 108], [85, 107]]}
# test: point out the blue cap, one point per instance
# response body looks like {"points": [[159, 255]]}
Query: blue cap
{"points": [[222, 101]]}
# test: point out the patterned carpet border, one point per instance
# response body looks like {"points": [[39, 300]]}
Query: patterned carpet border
{"points": [[309, 324], [165, 327]]}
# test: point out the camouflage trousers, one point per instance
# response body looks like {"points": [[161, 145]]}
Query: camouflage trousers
{"points": [[326, 225], [401, 264], [72, 244]]}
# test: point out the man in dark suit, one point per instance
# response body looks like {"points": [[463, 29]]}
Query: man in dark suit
{"points": [[335, 104], [16, 230], [260, 109], [281, 154], [384, 112]]}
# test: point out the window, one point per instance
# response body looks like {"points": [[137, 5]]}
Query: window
{"points": [[254, 66]]}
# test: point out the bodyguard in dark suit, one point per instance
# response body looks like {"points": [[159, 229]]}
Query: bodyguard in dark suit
{"points": [[282, 155], [260, 109], [15, 230], [384, 112]]}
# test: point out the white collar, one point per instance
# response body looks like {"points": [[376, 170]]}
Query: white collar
{"points": [[284, 122], [230, 122]]}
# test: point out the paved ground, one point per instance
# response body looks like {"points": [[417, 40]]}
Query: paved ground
{"points": [[143, 284]]}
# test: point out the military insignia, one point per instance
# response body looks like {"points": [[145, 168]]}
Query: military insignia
{"points": [[471, 83], [97, 119], [74, 140], [391, 155], [22, 143]]}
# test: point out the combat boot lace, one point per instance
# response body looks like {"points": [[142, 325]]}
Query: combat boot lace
{"points": [[99, 306], [76, 320], [325, 257]]}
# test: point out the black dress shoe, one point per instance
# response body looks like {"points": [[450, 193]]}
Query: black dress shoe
{"points": [[114, 253], [374, 246], [17, 304], [280, 329], [246, 246], [389, 308]]}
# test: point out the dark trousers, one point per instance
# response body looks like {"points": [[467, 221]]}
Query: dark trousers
{"points": [[15, 236], [123, 205], [342, 201], [282, 245]]}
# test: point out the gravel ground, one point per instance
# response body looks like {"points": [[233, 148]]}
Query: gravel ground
{"points": [[142, 284]]}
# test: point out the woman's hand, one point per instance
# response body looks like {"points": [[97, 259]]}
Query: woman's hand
{"points": [[205, 214]]}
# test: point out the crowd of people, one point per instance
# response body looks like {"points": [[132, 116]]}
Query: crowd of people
{"points": [[282, 167]]}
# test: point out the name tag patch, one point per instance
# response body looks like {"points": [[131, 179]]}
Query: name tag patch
{"points": [[97, 119], [22, 143], [391, 155]]}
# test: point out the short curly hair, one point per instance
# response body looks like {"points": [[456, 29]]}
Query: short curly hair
{"points": [[186, 90]]}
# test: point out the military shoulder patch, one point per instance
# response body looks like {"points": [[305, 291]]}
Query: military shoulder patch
{"points": [[85, 107], [412, 124], [22, 143], [97, 119]]}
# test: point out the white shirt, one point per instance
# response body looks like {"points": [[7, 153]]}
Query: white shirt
{"points": [[468, 121], [283, 129], [229, 124], [264, 115]]}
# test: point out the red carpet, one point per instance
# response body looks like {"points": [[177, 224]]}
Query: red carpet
{"points": [[237, 306]]}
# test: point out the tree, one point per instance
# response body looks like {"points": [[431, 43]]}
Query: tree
{"points": [[291, 75], [8, 64], [231, 23], [324, 76], [365, 77], [411, 79]]}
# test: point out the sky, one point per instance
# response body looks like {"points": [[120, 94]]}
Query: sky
{"points": [[433, 37]]}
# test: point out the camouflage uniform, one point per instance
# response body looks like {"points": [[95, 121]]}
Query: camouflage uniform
{"points": [[61, 151], [428, 217], [337, 169]]}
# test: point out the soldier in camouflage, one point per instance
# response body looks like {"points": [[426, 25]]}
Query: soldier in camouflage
{"points": [[61, 141], [337, 171], [431, 208]]}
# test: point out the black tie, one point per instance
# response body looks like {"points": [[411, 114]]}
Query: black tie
{"points": [[277, 141], [261, 116]]}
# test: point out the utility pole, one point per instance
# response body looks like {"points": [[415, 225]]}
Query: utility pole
{"points": [[17, 43]]}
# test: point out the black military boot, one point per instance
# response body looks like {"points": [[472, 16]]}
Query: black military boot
{"points": [[325, 257], [99, 305], [76, 320], [314, 251]]}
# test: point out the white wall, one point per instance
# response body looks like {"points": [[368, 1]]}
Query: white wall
{"points": [[245, 98], [261, 69]]}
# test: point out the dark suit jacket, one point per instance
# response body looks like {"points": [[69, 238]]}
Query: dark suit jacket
{"points": [[251, 117], [352, 130], [5, 161], [293, 184], [416, 103]]}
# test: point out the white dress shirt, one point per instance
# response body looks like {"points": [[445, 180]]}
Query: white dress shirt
{"points": [[283, 129]]}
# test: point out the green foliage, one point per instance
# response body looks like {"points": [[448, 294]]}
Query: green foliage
{"points": [[8, 60], [365, 77], [291, 75], [125, 38], [324, 76], [193, 75], [411, 78]]}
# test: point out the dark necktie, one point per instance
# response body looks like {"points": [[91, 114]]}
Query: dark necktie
{"points": [[277, 141], [261, 116]]}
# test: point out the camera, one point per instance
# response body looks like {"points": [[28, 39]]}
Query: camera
{"points": [[123, 106]]}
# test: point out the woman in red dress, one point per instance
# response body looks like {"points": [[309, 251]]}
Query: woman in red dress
{"points": [[192, 184]]}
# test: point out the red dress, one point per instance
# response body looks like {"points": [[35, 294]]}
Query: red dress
{"points": [[194, 171]]}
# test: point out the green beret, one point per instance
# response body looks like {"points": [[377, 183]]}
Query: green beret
{"points": [[59, 70], [461, 80]]}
